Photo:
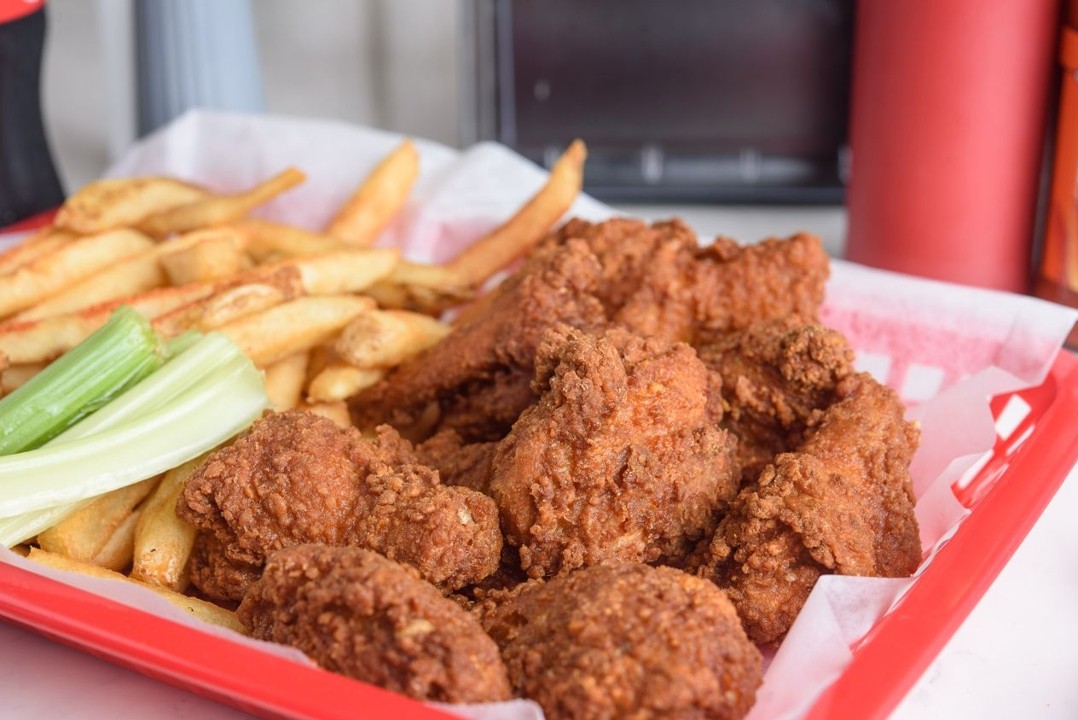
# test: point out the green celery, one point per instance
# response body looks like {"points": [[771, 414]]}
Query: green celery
{"points": [[119, 354], [197, 400]]}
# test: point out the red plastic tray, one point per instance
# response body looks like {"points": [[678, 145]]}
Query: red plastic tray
{"points": [[1007, 497]]}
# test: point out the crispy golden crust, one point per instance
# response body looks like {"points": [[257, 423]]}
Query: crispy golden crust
{"points": [[651, 279], [217, 576], [625, 641], [297, 478], [774, 377], [457, 462], [841, 503], [355, 612], [617, 460], [480, 375], [739, 285]]}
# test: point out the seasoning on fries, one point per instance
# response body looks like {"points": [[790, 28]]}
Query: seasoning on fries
{"points": [[123, 202], [220, 209], [384, 338]]}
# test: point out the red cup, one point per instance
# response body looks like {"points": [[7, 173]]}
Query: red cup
{"points": [[946, 131]]}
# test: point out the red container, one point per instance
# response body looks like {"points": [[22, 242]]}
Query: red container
{"points": [[1007, 498], [947, 131]]}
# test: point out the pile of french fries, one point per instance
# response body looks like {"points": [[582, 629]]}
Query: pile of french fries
{"points": [[323, 314]]}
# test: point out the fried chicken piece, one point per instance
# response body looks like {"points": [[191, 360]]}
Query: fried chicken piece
{"points": [[480, 374], [626, 641], [217, 576], [617, 460], [296, 478], [775, 377], [658, 280], [652, 279], [457, 462], [842, 503], [744, 284], [357, 613]]}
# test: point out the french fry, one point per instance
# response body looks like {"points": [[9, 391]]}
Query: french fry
{"points": [[220, 209], [78, 259], [116, 553], [274, 334], [128, 278], [342, 271], [319, 358], [85, 535], [429, 289], [109, 204], [527, 227], [39, 341], [163, 540], [205, 611], [231, 300], [335, 411], [265, 240], [381, 196], [4, 362], [384, 338], [339, 381], [285, 380], [13, 377], [134, 275], [40, 243], [215, 256]]}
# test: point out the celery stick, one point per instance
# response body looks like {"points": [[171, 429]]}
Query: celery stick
{"points": [[214, 409], [179, 374], [120, 353], [20, 528], [176, 377]]}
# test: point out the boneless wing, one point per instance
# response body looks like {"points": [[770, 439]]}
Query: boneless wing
{"points": [[774, 378], [618, 460], [296, 478], [842, 503], [625, 641], [650, 279], [355, 612]]}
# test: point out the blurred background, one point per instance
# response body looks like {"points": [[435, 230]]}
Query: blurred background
{"points": [[530, 73], [916, 136]]}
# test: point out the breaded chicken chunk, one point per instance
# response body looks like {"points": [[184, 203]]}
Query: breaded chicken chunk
{"points": [[357, 613], [458, 462], [652, 279], [775, 377], [617, 461], [478, 378], [625, 641], [841, 503], [296, 478]]}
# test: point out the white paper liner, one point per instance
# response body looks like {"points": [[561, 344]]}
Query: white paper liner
{"points": [[968, 343]]}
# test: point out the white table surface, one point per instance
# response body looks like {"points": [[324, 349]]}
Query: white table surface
{"points": [[1016, 656]]}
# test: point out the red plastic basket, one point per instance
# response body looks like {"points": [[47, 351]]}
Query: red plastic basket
{"points": [[1007, 497]]}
